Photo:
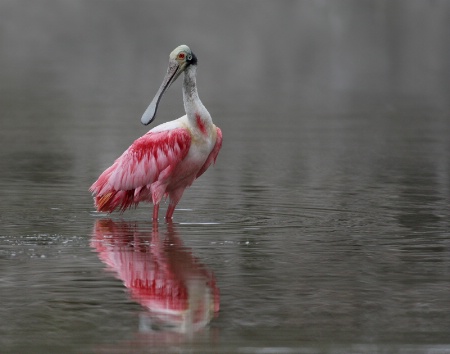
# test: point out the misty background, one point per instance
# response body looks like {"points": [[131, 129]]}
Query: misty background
{"points": [[65, 65], [294, 53]]}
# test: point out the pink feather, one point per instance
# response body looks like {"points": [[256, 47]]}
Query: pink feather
{"points": [[129, 180]]}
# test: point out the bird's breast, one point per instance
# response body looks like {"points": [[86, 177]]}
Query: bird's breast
{"points": [[201, 147]]}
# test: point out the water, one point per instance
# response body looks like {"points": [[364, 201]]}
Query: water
{"points": [[322, 228]]}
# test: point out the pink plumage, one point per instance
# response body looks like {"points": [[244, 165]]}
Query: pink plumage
{"points": [[166, 160], [155, 165]]}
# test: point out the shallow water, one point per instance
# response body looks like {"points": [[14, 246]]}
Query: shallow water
{"points": [[322, 228]]}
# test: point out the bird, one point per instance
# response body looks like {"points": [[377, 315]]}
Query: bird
{"points": [[167, 159]]}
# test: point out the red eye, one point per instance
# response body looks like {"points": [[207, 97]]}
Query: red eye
{"points": [[181, 56]]}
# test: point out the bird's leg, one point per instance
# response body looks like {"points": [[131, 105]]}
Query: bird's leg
{"points": [[170, 210], [155, 212], [174, 197]]}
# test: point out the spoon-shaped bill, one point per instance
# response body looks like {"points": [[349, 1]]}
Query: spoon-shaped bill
{"points": [[173, 71]]}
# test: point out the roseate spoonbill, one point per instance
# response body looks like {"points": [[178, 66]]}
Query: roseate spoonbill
{"points": [[167, 159]]}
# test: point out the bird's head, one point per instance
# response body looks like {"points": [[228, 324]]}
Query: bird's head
{"points": [[179, 60], [182, 57]]}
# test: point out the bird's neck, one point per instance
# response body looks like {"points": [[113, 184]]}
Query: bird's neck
{"points": [[192, 104]]}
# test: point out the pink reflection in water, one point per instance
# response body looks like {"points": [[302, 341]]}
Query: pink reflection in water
{"points": [[161, 274]]}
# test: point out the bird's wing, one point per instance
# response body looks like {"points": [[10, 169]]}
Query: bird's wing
{"points": [[213, 154], [141, 164]]}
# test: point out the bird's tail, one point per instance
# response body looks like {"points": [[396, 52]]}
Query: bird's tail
{"points": [[106, 198]]}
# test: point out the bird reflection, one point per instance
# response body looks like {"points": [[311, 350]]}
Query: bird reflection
{"points": [[162, 275]]}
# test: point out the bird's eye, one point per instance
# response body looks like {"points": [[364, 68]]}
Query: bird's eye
{"points": [[181, 56], [189, 57]]}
